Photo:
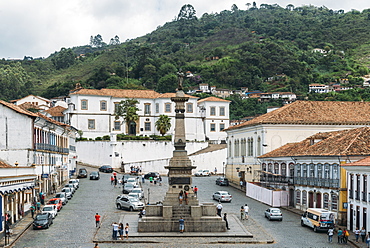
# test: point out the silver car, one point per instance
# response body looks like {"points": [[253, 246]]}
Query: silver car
{"points": [[68, 192], [129, 203], [273, 214], [222, 196], [62, 196]]}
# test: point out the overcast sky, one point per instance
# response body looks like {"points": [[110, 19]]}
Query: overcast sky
{"points": [[38, 28]]}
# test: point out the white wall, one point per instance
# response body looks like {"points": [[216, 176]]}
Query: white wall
{"points": [[269, 197], [210, 160], [113, 153]]}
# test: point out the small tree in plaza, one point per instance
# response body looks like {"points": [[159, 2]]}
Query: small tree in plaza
{"points": [[163, 124]]}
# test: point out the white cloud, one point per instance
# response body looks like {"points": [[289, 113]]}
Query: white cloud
{"points": [[40, 27]]}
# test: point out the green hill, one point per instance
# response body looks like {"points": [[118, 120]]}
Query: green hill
{"points": [[231, 49]]}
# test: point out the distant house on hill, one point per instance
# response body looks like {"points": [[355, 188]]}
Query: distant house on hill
{"points": [[38, 101]]}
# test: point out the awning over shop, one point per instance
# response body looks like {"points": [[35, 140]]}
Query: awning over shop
{"points": [[9, 189]]}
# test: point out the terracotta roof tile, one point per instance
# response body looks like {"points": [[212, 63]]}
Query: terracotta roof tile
{"points": [[169, 95], [315, 113], [361, 162], [4, 165], [338, 143], [18, 109], [28, 105], [56, 111], [52, 120], [119, 93], [213, 99]]}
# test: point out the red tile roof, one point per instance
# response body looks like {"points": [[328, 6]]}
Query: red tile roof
{"points": [[56, 111], [118, 93], [361, 162], [315, 113], [18, 109], [169, 95], [338, 143]]}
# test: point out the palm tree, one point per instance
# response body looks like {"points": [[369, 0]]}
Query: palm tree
{"points": [[163, 124], [128, 110]]}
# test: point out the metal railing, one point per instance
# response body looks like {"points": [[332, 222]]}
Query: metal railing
{"points": [[53, 148]]}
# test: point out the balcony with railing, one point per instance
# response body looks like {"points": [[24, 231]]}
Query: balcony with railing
{"points": [[318, 182], [265, 178], [52, 148]]}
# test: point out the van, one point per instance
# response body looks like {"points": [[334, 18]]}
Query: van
{"points": [[317, 218]]}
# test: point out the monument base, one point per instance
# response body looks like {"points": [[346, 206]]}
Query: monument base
{"points": [[200, 218]]}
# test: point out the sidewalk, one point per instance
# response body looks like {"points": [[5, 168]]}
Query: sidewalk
{"points": [[352, 238], [22, 225]]}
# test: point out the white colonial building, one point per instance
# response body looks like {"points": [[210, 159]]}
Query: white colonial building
{"points": [[93, 112], [36, 101], [292, 123]]}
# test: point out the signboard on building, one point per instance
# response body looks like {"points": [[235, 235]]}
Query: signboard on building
{"points": [[44, 175]]}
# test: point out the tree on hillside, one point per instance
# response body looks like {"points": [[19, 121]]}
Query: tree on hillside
{"points": [[14, 81], [114, 41], [127, 109], [97, 41], [187, 12], [163, 124], [64, 59]]}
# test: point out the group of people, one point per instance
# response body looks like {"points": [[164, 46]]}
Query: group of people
{"points": [[119, 229], [244, 212], [183, 195]]}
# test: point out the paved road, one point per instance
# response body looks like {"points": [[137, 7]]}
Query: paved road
{"points": [[74, 226]]}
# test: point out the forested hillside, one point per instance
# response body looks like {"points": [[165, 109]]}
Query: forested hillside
{"points": [[231, 49]]}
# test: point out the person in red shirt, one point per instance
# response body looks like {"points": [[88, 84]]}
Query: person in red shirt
{"points": [[195, 191], [97, 220]]}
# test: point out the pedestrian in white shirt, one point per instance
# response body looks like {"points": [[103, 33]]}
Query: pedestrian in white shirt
{"points": [[246, 211]]}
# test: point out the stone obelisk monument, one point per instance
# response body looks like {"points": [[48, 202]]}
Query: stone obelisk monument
{"points": [[165, 217]]}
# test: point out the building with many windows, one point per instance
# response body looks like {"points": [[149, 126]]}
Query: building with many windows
{"points": [[312, 170], [291, 123], [358, 190], [93, 112]]}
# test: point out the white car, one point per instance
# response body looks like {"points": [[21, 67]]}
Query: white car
{"points": [[68, 192], [133, 181], [134, 195], [62, 196], [52, 209], [222, 196], [202, 173], [75, 183], [138, 191]]}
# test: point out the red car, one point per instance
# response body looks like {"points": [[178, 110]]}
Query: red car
{"points": [[57, 202]]}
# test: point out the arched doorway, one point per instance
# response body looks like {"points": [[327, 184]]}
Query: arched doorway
{"points": [[318, 200], [132, 128], [310, 199]]}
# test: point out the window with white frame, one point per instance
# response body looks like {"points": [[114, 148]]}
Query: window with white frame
{"points": [[91, 124], [147, 126], [213, 127], [222, 111], [230, 152], [259, 146], [304, 197], [298, 196], [222, 126], [157, 108], [147, 108], [167, 107], [326, 201], [103, 105], [117, 125], [189, 108], [84, 105], [334, 202], [116, 106], [212, 111]]}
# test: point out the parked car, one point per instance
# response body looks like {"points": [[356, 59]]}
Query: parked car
{"points": [[50, 209], [106, 168], [129, 203], [57, 202], [202, 173], [75, 182], [274, 214], [134, 195], [222, 181], [68, 192], [151, 174], [94, 175], [42, 220], [71, 186], [82, 173], [62, 196], [139, 191], [128, 188], [132, 180], [222, 196]]}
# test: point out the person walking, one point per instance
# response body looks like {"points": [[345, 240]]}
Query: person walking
{"points": [[97, 220], [32, 209], [368, 240], [42, 198], [363, 234], [186, 197], [142, 178], [151, 179], [357, 234], [226, 222], [38, 206], [111, 180], [115, 230], [340, 236], [246, 211], [126, 230], [115, 181], [120, 230], [182, 225], [241, 184], [160, 180], [219, 208], [330, 234], [195, 191], [345, 236], [242, 215]]}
